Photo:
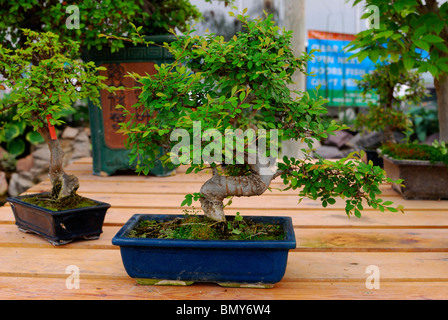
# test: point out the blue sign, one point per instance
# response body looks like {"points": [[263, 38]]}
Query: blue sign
{"points": [[336, 74]]}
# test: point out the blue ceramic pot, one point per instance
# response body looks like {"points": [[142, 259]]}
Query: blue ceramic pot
{"points": [[226, 262]]}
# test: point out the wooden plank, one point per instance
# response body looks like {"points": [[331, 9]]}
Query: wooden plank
{"points": [[302, 266], [330, 261], [304, 218], [351, 266], [53, 262], [369, 240], [30, 288], [269, 203], [312, 240], [167, 187], [10, 236]]}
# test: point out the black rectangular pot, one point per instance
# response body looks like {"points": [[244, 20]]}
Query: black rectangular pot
{"points": [[59, 227], [423, 180], [231, 263]]}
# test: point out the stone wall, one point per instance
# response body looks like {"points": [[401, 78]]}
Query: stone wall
{"points": [[33, 169]]}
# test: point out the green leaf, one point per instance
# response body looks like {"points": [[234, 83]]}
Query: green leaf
{"points": [[432, 38], [11, 132], [362, 55], [238, 217], [443, 66], [242, 96], [408, 62], [16, 147], [236, 231], [394, 69], [234, 90], [34, 138], [422, 44]]}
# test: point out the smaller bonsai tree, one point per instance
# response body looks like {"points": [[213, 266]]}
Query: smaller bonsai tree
{"points": [[219, 106], [388, 116], [44, 81]]}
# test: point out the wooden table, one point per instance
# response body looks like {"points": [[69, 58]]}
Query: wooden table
{"points": [[334, 258]]}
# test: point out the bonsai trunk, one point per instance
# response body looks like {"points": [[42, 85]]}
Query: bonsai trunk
{"points": [[64, 185], [219, 187], [441, 85]]}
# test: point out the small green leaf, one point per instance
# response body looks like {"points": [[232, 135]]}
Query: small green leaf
{"points": [[432, 38], [11, 132], [16, 147], [34, 138], [422, 44], [408, 62]]}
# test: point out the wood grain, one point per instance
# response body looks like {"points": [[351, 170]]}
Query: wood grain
{"points": [[330, 261]]}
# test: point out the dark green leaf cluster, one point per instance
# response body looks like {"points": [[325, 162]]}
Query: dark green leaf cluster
{"points": [[387, 114], [412, 33], [242, 84], [16, 136], [96, 17], [350, 179], [45, 80], [226, 85]]}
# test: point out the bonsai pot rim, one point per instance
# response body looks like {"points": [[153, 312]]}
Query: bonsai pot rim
{"points": [[413, 162], [50, 225], [235, 263], [121, 239], [410, 161], [18, 199]]}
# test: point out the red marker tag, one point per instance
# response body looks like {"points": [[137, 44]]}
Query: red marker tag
{"points": [[53, 135]]}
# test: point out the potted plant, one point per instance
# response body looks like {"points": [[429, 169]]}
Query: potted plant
{"points": [[412, 41], [83, 21], [44, 80], [388, 116], [422, 168], [221, 106]]}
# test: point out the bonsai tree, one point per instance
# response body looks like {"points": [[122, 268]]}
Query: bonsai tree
{"points": [[221, 103], [107, 17], [45, 81], [414, 34], [387, 115]]}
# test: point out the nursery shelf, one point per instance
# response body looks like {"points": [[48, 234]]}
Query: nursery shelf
{"points": [[334, 258]]}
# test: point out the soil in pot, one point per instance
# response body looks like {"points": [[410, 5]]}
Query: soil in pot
{"points": [[72, 202], [200, 227]]}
